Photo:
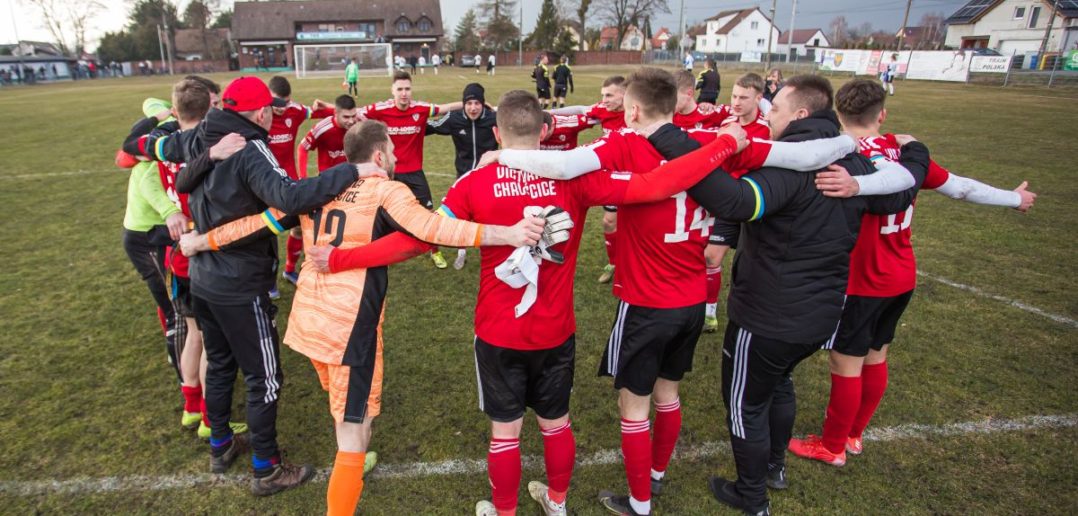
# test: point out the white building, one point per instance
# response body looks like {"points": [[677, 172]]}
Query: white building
{"points": [[1013, 26], [803, 41], [745, 30]]}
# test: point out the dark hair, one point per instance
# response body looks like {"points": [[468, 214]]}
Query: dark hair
{"points": [[519, 114], [811, 92], [363, 139], [860, 101], [401, 75], [280, 87], [654, 89], [685, 80], [614, 80], [710, 63], [344, 102], [192, 99], [751, 80], [211, 86]]}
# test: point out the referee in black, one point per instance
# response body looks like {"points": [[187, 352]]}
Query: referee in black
{"points": [[789, 280], [563, 81], [541, 76], [708, 83]]}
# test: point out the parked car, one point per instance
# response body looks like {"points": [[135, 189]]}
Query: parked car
{"points": [[985, 52], [467, 61]]}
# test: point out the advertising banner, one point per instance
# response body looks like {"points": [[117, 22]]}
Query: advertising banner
{"points": [[944, 65], [842, 60], [989, 64], [750, 57], [1072, 61]]}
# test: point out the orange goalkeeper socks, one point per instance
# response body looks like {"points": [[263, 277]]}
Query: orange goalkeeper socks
{"points": [[345, 483]]}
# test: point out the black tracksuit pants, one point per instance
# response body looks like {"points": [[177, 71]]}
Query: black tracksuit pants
{"points": [[243, 337], [148, 257], [760, 405]]}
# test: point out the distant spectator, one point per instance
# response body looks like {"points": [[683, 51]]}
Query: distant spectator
{"points": [[412, 62], [422, 64], [774, 84], [478, 62]]}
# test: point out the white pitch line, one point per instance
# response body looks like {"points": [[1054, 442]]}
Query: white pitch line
{"points": [[478, 466], [56, 174], [1006, 300]]}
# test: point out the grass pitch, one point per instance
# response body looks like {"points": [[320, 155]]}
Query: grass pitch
{"points": [[87, 393]]}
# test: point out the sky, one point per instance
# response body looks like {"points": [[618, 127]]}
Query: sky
{"points": [[24, 19]]}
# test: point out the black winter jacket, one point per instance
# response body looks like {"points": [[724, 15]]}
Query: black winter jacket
{"points": [[470, 137]]}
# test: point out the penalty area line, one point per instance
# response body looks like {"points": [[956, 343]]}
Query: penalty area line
{"points": [[605, 457], [1005, 300]]}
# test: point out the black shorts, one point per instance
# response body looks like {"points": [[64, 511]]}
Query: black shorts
{"points": [[180, 291], [542, 93], [868, 323], [511, 380], [559, 90], [650, 343], [417, 183], [709, 98]]}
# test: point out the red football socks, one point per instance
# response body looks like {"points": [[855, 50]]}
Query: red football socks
{"points": [[294, 247], [667, 428], [841, 409], [714, 284], [636, 451], [205, 418], [610, 239], [503, 469], [559, 454], [873, 385], [192, 398]]}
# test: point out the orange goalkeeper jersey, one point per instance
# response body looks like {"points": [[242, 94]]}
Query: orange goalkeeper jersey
{"points": [[336, 318]]}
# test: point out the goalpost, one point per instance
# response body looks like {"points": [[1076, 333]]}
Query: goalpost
{"points": [[331, 59]]}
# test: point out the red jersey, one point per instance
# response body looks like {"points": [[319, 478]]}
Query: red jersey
{"points": [[609, 120], [696, 119], [328, 138], [753, 154], [406, 129], [750, 158], [882, 263], [283, 131], [564, 135], [175, 260], [496, 194]]}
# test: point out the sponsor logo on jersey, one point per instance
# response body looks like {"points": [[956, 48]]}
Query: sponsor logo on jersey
{"points": [[398, 131], [280, 138]]}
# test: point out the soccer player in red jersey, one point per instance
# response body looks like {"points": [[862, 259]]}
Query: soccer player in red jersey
{"points": [[565, 131], [883, 274], [407, 122], [690, 115], [328, 135], [282, 143], [661, 278], [744, 109]]}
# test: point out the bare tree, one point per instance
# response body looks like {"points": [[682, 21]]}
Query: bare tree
{"points": [[932, 30], [623, 14], [67, 21], [839, 30]]}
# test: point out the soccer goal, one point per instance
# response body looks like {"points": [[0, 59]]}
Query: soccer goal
{"points": [[330, 60]]}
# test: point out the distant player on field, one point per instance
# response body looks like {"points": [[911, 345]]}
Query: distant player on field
{"points": [[541, 76], [407, 122], [351, 77], [883, 274], [563, 81]]}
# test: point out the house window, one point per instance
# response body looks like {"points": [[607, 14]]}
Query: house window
{"points": [[1019, 13], [403, 25], [325, 27], [760, 42], [754, 25], [424, 24], [340, 28], [368, 29], [1034, 13], [634, 42], [816, 42]]}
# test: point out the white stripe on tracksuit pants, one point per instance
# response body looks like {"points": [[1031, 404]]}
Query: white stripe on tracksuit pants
{"points": [[759, 397], [242, 337]]}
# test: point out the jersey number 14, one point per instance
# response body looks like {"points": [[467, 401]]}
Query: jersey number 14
{"points": [[700, 220]]}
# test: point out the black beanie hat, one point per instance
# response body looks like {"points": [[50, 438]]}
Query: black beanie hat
{"points": [[474, 91]]}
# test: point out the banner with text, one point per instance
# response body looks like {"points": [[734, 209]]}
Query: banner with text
{"points": [[989, 64], [842, 60]]}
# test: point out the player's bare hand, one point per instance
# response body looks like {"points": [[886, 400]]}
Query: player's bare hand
{"points": [[489, 157], [163, 115], [320, 104], [705, 108], [177, 224], [738, 133], [837, 182], [227, 146], [193, 243], [318, 258], [903, 139], [527, 232], [1028, 198]]}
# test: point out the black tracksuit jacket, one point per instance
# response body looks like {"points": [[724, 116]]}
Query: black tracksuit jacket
{"points": [[470, 137]]}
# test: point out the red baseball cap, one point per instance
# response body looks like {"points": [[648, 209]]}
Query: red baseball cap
{"points": [[249, 94]]}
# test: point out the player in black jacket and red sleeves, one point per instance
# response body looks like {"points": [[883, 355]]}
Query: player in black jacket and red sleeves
{"points": [[789, 280]]}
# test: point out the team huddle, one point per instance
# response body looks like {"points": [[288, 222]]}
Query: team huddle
{"points": [[816, 199]]}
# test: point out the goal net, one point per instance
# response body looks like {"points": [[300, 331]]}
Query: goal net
{"points": [[330, 60]]}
